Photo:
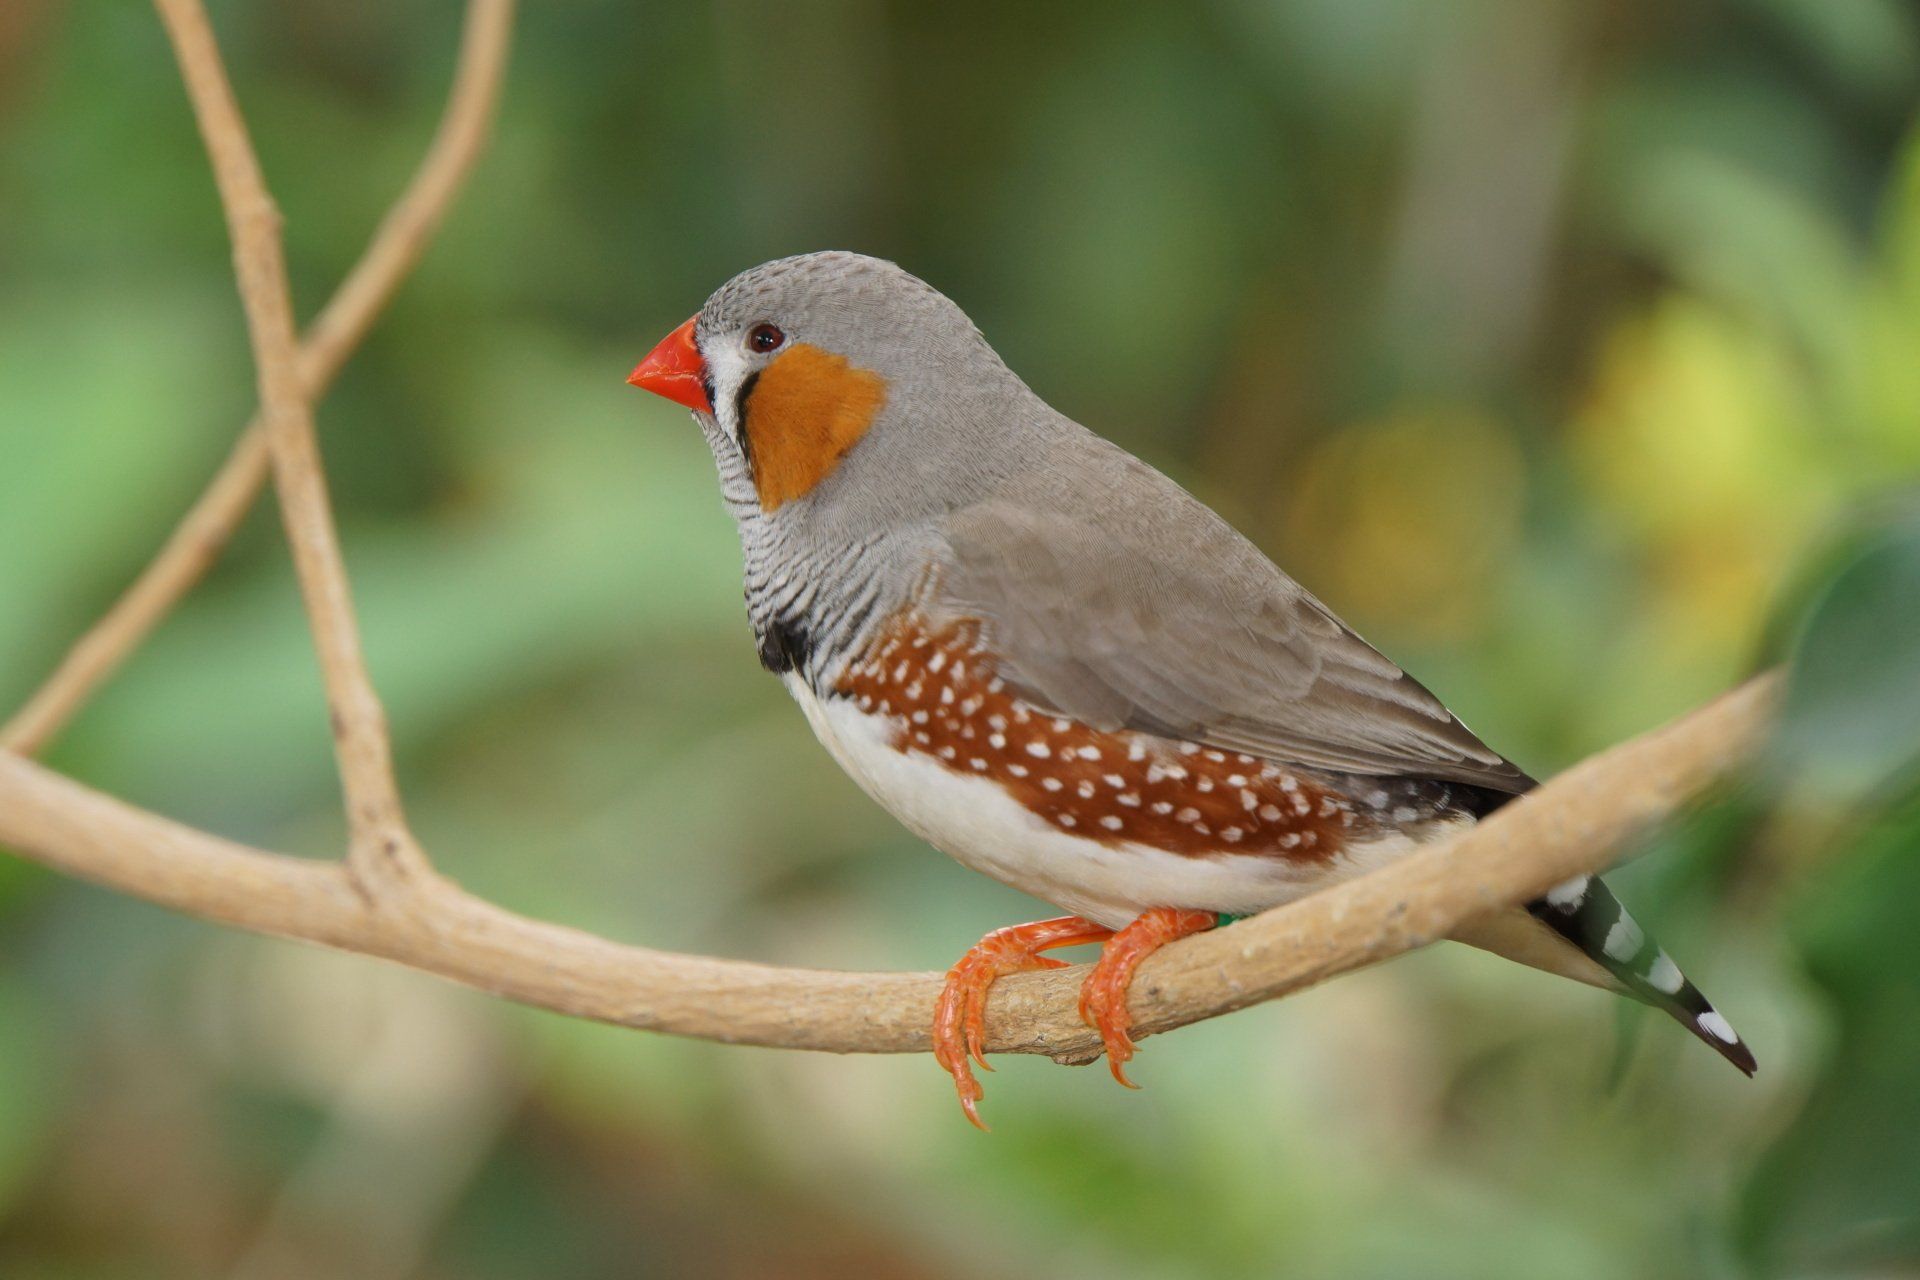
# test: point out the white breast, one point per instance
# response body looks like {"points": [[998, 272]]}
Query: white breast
{"points": [[977, 823]]}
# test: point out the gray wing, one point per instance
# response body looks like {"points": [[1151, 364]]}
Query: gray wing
{"points": [[1123, 602]]}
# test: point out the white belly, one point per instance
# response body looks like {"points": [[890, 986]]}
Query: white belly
{"points": [[977, 823]]}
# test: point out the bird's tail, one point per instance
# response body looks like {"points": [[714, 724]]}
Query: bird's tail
{"points": [[1585, 913], [1609, 949]]}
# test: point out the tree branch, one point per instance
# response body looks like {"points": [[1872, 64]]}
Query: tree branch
{"points": [[395, 249], [1575, 823], [380, 846]]}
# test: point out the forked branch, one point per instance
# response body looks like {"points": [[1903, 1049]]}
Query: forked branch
{"points": [[396, 247], [379, 841]]}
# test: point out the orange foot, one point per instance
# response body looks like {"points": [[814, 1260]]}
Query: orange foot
{"points": [[1103, 1000], [960, 1019]]}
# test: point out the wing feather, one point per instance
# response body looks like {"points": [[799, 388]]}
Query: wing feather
{"points": [[1159, 617]]}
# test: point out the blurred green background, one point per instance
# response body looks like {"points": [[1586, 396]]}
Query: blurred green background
{"points": [[1570, 350]]}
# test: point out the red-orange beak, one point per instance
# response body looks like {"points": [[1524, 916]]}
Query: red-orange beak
{"points": [[675, 370]]}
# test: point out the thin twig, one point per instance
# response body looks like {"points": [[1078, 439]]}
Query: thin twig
{"points": [[396, 247], [1578, 822], [380, 848]]}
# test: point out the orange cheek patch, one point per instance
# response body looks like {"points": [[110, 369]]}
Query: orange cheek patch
{"points": [[807, 408]]}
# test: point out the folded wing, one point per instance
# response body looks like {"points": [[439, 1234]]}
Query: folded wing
{"points": [[1157, 616]]}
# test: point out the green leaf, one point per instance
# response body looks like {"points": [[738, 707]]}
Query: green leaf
{"points": [[1853, 708]]}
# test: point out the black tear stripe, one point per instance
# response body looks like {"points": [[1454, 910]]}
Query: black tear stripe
{"points": [[740, 398], [1585, 913]]}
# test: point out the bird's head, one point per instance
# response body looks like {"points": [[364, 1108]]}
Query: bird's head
{"points": [[800, 365]]}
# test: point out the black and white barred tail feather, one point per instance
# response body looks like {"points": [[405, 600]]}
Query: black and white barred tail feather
{"points": [[1585, 913]]}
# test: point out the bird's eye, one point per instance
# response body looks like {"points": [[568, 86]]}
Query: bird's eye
{"points": [[764, 338]]}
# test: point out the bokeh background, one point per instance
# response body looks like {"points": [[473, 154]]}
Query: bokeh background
{"points": [[1570, 350]]}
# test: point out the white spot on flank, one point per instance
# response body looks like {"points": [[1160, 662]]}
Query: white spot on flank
{"points": [[997, 721], [1249, 801], [1236, 779], [1039, 750], [1114, 780], [1717, 1027], [1089, 753], [1017, 770], [1131, 799], [1061, 726], [937, 661], [1232, 835], [1161, 807], [1086, 790], [1051, 784], [1065, 820], [997, 741], [1270, 813], [978, 763], [1136, 752], [1110, 822]]}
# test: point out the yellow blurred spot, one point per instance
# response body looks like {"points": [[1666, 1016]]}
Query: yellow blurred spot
{"points": [[1699, 447], [1407, 520]]}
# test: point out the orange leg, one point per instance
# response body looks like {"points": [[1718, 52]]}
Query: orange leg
{"points": [[960, 1019], [1103, 1000]]}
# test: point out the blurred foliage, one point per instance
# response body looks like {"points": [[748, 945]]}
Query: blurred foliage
{"points": [[1571, 350]]}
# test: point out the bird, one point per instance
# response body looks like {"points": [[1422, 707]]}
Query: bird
{"points": [[1051, 662]]}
